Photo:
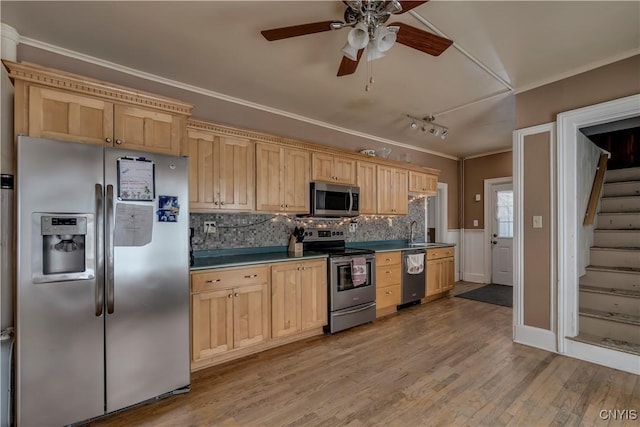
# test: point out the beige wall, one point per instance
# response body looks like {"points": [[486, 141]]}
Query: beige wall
{"points": [[537, 245], [538, 106], [476, 170], [219, 111], [541, 105]]}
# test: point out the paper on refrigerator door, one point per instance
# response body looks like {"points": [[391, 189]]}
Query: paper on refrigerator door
{"points": [[134, 225]]}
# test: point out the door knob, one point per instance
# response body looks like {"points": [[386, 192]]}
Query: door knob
{"points": [[495, 235]]}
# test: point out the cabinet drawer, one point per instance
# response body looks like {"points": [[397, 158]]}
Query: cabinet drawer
{"points": [[223, 278], [388, 275], [388, 296], [440, 253], [388, 258]]}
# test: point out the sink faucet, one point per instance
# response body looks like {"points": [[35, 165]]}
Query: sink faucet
{"points": [[411, 231]]}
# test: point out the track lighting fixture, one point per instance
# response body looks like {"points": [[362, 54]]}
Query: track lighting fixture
{"points": [[428, 122]]}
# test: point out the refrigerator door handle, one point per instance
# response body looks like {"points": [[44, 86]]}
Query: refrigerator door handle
{"points": [[109, 245], [99, 232]]}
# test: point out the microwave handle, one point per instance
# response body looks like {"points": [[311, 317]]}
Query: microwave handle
{"points": [[350, 200]]}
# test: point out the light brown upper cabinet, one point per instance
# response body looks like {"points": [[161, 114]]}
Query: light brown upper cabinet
{"points": [[330, 168], [221, 172], [54, 104], [392, 191], [367, 181], [422, 183], [282, 179]]}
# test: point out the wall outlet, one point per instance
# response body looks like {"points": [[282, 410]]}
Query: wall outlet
{"points": [[353, 227], [390, 221], [210, 227]]}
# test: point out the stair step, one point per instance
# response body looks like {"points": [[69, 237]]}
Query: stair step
{"points": [[616, 238], [615, 257], [619, 278], [617, 175], [609, 300], [622, 188], [611, 343], [630, 293], [618, 326], [618, 221], [620, 204]]}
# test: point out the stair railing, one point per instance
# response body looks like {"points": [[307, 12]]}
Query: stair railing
{"points": [[596, 190]]}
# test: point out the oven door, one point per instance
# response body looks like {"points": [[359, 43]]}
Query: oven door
{"points": [[343, 293]]}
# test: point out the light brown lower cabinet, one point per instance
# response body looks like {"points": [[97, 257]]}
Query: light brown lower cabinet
{"points": [[440, 276], [243, 310], [388, 282]]}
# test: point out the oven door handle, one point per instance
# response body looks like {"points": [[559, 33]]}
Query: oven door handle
{"points": [[344, 313]]}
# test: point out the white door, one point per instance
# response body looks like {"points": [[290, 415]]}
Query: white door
{"points": [[502, 234]]}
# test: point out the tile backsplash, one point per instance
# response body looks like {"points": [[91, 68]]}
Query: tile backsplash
{"points": [[241, 230]]}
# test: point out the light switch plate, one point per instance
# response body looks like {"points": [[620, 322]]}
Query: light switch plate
{"points": [[537, 221], [478, 197], [475, 223]]}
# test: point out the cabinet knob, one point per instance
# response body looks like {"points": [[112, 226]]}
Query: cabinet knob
{"points": [[222, 203], [236, 295], [118, 141], [215, 203], [388, 292], [282, 205], [229, 296], [387, 259], [388, 271], [108, 140], [212, 281], [286, 206], [251, 276]]}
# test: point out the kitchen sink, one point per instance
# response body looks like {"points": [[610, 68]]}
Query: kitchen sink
{"points": [[423, 245]]}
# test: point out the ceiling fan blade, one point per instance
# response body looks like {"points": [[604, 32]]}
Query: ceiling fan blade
{"points": [[296, 30], [421, 40], [347, 66], [408, 5]]}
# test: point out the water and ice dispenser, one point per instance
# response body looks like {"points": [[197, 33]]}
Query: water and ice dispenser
{"points": [[65, 250]]}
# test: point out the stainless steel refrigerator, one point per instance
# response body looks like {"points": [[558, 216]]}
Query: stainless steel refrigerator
{"points": [[102, 301]]}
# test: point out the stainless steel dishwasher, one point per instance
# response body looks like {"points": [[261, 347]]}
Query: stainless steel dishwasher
{"points": [[413, 285]]}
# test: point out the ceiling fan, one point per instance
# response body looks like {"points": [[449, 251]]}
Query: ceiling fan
{"points": [[367, 19]]}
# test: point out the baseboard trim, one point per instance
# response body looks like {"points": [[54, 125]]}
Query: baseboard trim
{"points": [[603, 356], [474, 277], [535, 337]]}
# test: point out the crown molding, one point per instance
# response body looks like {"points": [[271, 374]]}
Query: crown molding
{"points": [[489, 153], [210, 93]]}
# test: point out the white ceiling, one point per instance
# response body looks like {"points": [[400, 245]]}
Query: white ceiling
{"points": [[217, 46]]}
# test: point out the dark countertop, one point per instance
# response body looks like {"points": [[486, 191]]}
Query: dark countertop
{"points": [[239, 257]]}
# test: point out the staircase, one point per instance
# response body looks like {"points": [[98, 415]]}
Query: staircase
{"points": [[609, 300]]}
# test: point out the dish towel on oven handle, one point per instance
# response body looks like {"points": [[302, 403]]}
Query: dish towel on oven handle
{"points": [[415, 263], [358, 271]]}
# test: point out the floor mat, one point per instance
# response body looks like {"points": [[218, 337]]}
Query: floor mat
{"points": [[492, 294]]}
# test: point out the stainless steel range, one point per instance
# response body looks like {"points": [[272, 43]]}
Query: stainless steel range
{"points": [[350, 303]]}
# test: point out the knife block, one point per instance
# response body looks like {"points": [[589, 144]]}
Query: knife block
{"points": [[295, 248]]}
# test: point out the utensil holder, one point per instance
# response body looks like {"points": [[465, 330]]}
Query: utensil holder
{"points": [[295, 248]]}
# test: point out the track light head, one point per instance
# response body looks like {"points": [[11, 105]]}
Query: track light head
{"points": [[413, 125]]}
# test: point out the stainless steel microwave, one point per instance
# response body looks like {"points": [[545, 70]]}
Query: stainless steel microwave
{"points": [[334, 201]]}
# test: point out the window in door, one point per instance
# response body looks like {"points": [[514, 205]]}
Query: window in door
{"points": [[504, 214]]}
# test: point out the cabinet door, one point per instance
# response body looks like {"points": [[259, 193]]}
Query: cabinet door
{"points": [[448, 273], [431, 184], [137, 128], [367, 181], [269, 177], [285, 300], [296, 181], [202, 170], [400, 192], [322, 167], [434, 277], [250, 315], [211, 323], [417, 182], [69, 117], [313, 295], [236, 179], [385, 190], [344, 170]]}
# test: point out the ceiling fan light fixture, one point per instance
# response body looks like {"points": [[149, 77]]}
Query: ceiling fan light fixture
{"points": [[373, 52], [384, 39], [350, 52], [393, 6], [358, 37]]}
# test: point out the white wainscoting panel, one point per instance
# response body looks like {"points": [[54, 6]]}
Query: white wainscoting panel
{"points": [[473, 254], [453, 236]]}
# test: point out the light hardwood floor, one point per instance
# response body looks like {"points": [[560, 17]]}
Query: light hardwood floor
{"points": [[449, 362]]}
